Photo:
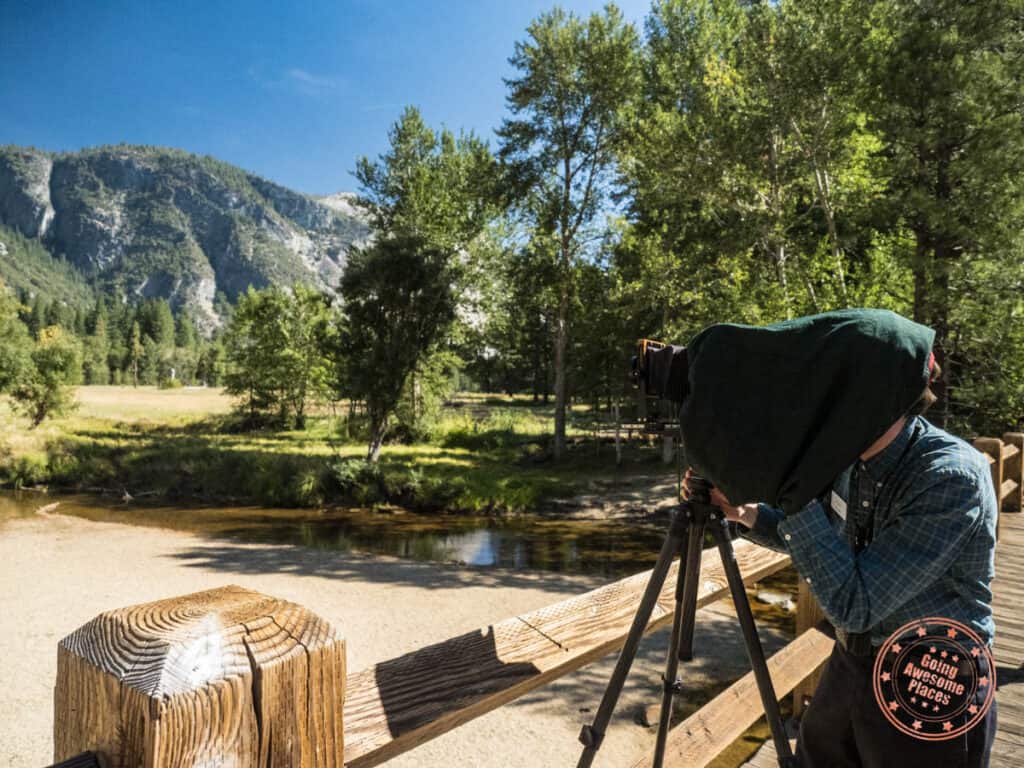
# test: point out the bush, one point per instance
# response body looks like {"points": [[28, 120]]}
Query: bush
{"points": [[24, 471], [359, 481]]}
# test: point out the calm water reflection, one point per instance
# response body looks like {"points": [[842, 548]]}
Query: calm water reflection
{"points": [[528, 543]]}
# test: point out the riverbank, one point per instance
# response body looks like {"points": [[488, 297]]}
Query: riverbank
{"points": [[487, 455], [61, 571]]}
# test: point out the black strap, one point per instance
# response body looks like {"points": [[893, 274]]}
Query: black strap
{"points": [[84, 760]]}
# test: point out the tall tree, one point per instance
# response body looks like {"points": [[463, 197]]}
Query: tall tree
{"points": [[430, 184], [97, 346], [399, 303], [56, 365], [162, 327], [575, 80], [947, 81], [276, 354]]}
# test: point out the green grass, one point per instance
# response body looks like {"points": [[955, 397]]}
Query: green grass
{"points": [[488, 454]]}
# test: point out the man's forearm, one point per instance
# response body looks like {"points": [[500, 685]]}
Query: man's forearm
{"points": [[857, 590], [764, 528]]}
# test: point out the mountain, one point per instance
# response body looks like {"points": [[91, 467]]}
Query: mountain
{"points": [[154, 222]]}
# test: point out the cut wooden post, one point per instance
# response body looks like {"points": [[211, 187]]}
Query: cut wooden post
{"points": [[993, 448], [227, 677], [1013, 470], [808, 615]]}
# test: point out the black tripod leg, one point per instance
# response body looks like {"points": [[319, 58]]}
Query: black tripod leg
{"points": [[687, 611], [720, 531], [682, 631], [592, 735]]}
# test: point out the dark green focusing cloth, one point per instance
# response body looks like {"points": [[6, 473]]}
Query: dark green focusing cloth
{"points": [[775, 413]]}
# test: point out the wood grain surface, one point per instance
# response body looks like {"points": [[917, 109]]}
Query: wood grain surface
{"points": [[227, 677]]}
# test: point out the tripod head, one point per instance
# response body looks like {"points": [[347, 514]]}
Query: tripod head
{"points": [[700, 490]]}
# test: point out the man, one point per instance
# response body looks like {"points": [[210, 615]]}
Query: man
{"points": [[905, 533]]}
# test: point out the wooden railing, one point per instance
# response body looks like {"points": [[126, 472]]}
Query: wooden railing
{"points": [[232, 677], [1004, 458]]}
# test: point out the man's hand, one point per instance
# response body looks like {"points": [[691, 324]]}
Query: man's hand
{"points": [[745, 515]]}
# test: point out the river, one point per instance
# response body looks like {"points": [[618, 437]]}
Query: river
{"points": [[604, 548], [611, 548]]}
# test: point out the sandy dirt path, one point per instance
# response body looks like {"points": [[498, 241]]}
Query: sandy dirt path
{"points": [[58, 572]]}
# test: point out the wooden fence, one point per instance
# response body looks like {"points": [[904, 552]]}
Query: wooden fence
{"points": [[1004, 458], [234, 678]]}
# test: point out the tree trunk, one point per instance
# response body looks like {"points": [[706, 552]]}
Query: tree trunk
{"points": [[561, 341], [780, 267], [825, 202], [778, 244], [378, 429]]}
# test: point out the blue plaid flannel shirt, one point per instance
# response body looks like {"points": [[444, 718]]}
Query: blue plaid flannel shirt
{"points": [[931, 508]]}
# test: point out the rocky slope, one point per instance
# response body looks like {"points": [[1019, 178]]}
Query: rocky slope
{"points": [[154, 222]]}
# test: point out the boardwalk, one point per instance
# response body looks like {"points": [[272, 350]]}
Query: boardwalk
{"points": [[1008, 751]]}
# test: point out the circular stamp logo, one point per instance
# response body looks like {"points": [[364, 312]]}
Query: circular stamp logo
{"points": [[934, 679]]}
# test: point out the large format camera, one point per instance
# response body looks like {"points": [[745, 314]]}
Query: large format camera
{"points": [[661, 371]]}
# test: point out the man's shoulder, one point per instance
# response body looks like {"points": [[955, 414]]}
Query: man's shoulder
{"points": [[937, 453]]}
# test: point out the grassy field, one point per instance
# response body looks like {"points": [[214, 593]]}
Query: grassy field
{"points": [[488, 453]]}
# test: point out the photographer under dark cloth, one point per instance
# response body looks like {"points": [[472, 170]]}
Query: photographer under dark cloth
{"points": [[907, 532]]}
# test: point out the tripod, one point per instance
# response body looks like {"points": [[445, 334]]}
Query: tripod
{"points": [[694, 515]]}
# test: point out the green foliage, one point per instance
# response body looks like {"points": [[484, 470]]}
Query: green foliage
{"points": [[399, 306], [15, 343], [419, 407], [793, 157], [210, 364], [275, 352], [45, 391], [946, 89], [575, 80], [432, 185]]}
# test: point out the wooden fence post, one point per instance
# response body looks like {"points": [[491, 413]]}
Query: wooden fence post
{"points": [[227, 677], [1013, 469], [993, 448], [808, 614]]}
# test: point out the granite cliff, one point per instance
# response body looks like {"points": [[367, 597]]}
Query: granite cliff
{"points": [[155, 222]]}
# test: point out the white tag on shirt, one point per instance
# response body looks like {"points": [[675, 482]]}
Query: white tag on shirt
{"points": [[838, 505]]}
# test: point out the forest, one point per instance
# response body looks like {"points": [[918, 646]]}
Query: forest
{"points": [[726, 161]]}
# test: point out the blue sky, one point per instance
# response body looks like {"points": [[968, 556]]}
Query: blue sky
{"points": [[293, 91]]}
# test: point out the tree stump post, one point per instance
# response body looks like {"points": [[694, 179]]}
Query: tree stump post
{"points": [[227, 677]]}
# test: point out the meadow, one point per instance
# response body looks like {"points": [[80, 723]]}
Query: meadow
{"points": [[487, 453]]}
